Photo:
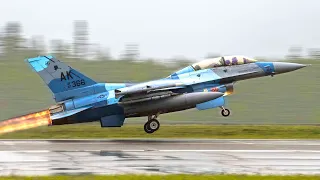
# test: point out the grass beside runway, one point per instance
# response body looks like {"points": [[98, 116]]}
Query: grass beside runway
{"points": [[93, 130], [164, 177]]}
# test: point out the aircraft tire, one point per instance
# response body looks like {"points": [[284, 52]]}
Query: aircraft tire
{"points": [[153, 124], [225, 112], [147, 129]]}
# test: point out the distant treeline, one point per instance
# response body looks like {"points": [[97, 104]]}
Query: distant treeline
{"points": [[14, 46]]}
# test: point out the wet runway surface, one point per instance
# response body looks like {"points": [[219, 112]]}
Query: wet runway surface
{"points": [[48, 157]]}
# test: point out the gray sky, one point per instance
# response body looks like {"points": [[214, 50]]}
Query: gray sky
{"points": [[168, 28]]}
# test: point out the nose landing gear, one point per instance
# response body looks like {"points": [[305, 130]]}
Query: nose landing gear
{"points": [[152, 124], [225, 112]]}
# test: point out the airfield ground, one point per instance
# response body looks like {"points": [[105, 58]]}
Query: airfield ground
{"points": [[162, 177], [159, 156]]}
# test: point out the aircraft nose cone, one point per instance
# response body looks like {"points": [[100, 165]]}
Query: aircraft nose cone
{"points": [[283, 67]]}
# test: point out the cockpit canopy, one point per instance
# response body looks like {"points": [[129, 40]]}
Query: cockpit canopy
{"points": [[213, 63], [222, 61]]}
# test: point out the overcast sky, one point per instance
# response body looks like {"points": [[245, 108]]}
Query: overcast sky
{"points": [[168, 28]]}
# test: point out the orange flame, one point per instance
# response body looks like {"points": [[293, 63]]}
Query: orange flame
{"points": [[26, 122]]}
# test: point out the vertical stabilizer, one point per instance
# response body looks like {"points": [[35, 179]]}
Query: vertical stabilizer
{"points": [[59, 77]]}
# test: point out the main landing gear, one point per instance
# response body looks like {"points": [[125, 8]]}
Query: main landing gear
{"points": [[225, 112], [152, 124]]}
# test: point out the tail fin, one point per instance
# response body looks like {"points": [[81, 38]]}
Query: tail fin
{"points": [[59, 77]]}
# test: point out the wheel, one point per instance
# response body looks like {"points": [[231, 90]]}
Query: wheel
{"points": [[147, 129], [153, 124], [225, 112]]}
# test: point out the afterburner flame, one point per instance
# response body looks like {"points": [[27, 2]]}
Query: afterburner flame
{"points": [[26, 122]]}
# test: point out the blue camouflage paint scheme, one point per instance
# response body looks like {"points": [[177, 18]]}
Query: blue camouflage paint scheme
{"points": [[81, 92], [85, 100], [182, 71], [267, 67], [64, 81], [38, 63], [57, 85], [174, 76], [211, 104], [113, 86], [197, 77]]}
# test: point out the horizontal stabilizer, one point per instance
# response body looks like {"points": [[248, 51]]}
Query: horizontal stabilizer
{"points": [[64, 114]]}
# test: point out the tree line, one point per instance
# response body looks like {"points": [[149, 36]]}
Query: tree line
{"points": [[14, 46]]}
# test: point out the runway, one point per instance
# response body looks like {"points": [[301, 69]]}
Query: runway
{"points": [[162, 156]]}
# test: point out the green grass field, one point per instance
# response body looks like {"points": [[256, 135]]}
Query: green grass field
{"points": [[93, 130], [164, 177], [289, 98]]}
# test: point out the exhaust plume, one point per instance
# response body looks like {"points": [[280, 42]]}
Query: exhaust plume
{"points": [[25, 122]]}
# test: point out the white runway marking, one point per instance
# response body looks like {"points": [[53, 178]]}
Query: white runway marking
{"points": [[241, 142], [26, 151]]}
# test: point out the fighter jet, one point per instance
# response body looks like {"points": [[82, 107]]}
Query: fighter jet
{"points": [[203, 85]]}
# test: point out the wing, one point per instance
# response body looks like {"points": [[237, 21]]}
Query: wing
{"points": [[150, 87], [148, 91], [142, 97]]}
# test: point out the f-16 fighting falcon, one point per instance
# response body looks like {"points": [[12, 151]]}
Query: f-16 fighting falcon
{"points": [[203, 85]]}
